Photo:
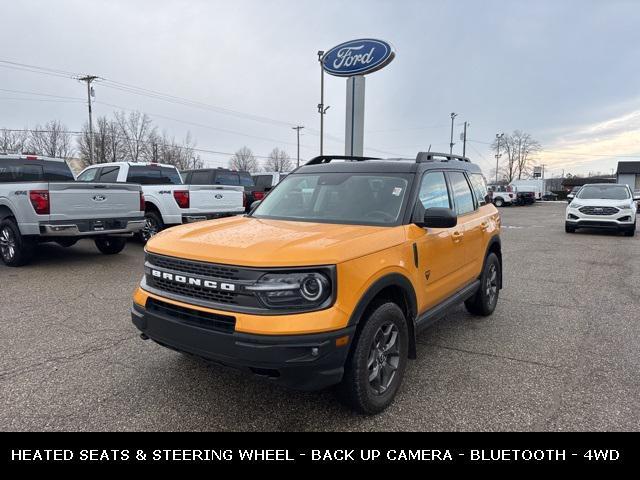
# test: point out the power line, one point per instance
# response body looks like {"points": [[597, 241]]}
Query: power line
{"points": [[604, 155]]}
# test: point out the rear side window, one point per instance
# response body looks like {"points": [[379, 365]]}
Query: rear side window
{"points": [[479, 185], [57, 172], [88, 175], [462, 194], [433, 191], [227, 178], [20, 171], [200, 178], [152, 175], [109, 174], [246, 180], [263, 181]]}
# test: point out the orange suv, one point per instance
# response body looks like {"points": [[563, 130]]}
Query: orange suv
{"points": [[330, 278]]}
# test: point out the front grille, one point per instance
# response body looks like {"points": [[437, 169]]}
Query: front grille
{"points": [[218, 296], [598, 210], [210, 321], [194, 268]]}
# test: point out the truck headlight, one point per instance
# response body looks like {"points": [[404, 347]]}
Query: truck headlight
{"points": [[575, 205], [625, 206], [298, 290]]}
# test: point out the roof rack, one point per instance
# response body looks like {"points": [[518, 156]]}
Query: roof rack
{"points": [[327, 158], [423, 157]]}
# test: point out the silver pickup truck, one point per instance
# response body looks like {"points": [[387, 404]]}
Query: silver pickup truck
{"points": [[40, 201]]}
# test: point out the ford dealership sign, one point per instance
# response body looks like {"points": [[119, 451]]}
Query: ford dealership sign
{"points": [[358, 57]]}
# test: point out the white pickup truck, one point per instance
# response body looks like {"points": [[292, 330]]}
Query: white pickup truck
{"points": [[40, 201], [167, 200]]}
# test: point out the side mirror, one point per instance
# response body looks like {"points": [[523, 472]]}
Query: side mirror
{"points": [[438, 217], [255, 204]]}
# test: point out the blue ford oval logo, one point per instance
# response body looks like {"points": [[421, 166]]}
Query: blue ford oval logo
{"points": [[358, 57]]}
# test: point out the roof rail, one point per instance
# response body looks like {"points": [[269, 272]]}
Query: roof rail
{"points": [[327, 158], [423, 157]]}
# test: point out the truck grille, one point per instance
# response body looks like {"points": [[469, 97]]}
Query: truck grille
{"points": [[210, 321], [599, 210], [215, 297], [194, 268]]}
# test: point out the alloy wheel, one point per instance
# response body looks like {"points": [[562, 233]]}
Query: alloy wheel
{"points": [[150, 228], [384, 358], [7, 244], [491, 284]]}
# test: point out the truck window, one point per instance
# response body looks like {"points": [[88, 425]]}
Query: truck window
{"points": [[263, 181], [109, 174], [479, 185], [461, 193], [88, 175], [153, 175], [433, 191], [200, 178], [19, 170], [246, 180], [227, 178], [57, 172]]}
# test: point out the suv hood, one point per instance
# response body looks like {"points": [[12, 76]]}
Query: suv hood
{"points": [[600, 202], [272, 243]]}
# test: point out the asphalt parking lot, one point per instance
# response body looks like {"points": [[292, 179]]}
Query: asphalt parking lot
{"points": [[561, 352]]}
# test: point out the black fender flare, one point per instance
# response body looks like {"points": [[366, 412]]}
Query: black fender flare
{"points": [[390, 280]]}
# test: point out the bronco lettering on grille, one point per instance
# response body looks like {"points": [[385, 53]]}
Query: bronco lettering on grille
{"points": [[197, 282]]}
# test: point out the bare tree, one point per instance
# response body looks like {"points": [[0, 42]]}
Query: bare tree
{"points": [[518, 149], [135, 130], [52, 140], [244, 160], [107, 144], [183, 155], [12, 141], [278, 161]]}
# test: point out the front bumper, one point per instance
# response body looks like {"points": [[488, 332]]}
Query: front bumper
{"points": [[623, 220], [199, 217], [89, 228], [302, 362]]}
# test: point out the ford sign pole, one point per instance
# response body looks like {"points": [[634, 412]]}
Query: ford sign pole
{"points": [[353, 60]]}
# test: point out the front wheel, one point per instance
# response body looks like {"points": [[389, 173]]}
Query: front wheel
{"points": [[15, 249], [110, 245], [486, 298], [499, 202], [569, 228], [631, 232], [373, 373]]}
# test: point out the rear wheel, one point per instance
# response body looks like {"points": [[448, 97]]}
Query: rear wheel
{"points": [[15, 249], [152, 225], [373, 373], [110, 245], [486, 298]]}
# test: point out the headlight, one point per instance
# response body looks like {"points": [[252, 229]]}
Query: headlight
{"points": [[625, 206], [299, 290], [575, 205]]}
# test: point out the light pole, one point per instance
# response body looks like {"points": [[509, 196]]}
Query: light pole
{"points": [[464, 140], [453, 115], [298, 128], [321, 109], [498, 137]]}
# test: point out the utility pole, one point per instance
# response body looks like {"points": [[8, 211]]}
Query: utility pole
{"points": [[453, 115], [498, 137], [321, 108], [89, 79], [298, 128], [464, 141]]}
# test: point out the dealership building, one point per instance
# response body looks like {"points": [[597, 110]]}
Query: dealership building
{"points": [[629, 173]]}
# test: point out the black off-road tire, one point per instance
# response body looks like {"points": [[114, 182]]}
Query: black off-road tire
{"points": [[110, 245], [486, 298], [356, 390], [15, 250]]}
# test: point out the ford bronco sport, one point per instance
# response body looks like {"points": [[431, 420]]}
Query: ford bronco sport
{"points": [[331, 277]]}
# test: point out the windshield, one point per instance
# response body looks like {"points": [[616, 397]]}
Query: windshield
{"points": [[606, 192], [359, 199]]}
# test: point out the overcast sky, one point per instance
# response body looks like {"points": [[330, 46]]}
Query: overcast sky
{"points": [[565, 71]]}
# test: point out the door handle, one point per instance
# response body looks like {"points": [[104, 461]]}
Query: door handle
{"points": [[457, 236]]}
